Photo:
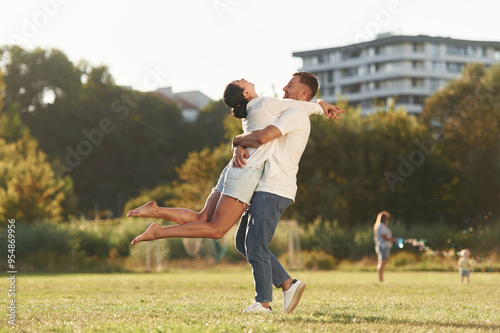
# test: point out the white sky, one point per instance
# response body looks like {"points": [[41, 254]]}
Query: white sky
{"points": [[204, 44]]}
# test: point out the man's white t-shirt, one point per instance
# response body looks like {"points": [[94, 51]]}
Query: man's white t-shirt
{"points": [[262, 112], [295, 127]]}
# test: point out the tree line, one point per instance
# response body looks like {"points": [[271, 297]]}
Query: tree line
{"points": [[117, 148], [108, 142]]}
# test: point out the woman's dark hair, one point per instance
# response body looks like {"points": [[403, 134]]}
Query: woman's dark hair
{"points": [[233, 97]]}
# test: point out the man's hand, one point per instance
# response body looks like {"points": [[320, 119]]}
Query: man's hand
{"points": [[257, 138], [331, 111], [240, 155]]}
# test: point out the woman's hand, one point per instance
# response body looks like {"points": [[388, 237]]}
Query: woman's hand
{"points": [[240, 155], [331, 111]]}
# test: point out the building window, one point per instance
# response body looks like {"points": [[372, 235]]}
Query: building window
{"points": [[456, 49], [311, 61], [349, 72], [496, 54], [355, 88], [387, 49], [330, 76], [455, 67], [437, 65], [323, 58], [419, 100], [435, 49], [434, 84], [332, 57], [389, 84], [471, 51], [418, 47], [417, 83], [418, 64]]}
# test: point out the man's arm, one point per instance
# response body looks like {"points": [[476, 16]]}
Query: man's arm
{"points": [[257, 138], [316, 106], [252, 140], [331, 111]]}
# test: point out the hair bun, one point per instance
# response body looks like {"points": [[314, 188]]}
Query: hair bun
{"points": [[240, 111]]}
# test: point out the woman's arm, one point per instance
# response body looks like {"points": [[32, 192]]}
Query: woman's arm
{"points": [[389, 239], [278, 106]]}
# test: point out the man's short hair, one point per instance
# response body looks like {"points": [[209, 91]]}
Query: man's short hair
{"points": [[310, 80]]}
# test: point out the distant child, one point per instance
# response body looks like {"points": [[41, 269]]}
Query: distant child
{"points": [[464, 265]]}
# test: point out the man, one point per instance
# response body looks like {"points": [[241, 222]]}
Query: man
{"points": [[274, 194]]}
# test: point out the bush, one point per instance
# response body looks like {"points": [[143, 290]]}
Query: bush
{"points": [[105, 245], [318, 260], [402, 259]]}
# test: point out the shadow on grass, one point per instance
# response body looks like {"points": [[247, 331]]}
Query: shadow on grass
{"points": [[324, 317]]}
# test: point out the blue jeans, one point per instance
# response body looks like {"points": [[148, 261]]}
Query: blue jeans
{"points": [[255, 232]]}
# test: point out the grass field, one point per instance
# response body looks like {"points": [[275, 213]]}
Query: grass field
{"points": [[211, 301]]}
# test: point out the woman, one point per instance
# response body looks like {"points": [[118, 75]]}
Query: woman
{"points": [[229, 199], [383, 242]]}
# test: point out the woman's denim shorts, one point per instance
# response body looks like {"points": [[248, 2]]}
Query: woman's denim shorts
{"points": [[240, 183], [383, 253]]}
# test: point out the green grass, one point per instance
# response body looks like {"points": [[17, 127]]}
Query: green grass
{"points": [[211, 301]]}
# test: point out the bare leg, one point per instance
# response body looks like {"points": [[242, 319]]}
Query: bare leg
{"points": [[178, 215], [380, 269], [147, 235], [226, 214]]}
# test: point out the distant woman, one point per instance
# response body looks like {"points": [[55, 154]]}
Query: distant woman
{"points": [[383, 242]]}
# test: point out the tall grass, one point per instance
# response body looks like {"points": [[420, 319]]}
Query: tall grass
{"points": [[104, 246]]}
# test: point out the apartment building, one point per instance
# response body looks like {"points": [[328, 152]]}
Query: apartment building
{"points": [[407, 69], [190, 102]]}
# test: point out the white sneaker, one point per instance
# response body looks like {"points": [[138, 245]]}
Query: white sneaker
{"points": [[256, 307], [291, 297]]}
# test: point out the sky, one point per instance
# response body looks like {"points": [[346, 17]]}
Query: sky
{"points": [[205, 44]]}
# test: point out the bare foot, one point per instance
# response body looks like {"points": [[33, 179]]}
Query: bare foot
{"points": [[146, 210], [147, 235]]}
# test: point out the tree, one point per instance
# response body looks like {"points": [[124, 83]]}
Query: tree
{"points": [[359, 165], [196, 176], [29, 188], [466, 114], [112, 141], [35, 79], [209, 127]]}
